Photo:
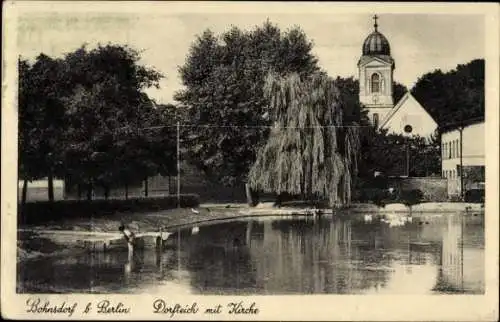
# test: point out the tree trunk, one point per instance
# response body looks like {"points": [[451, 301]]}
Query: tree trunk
{"points": [[79, 188], [279, 200], [251, 196], [146, 186], [126, 190], [25, 191], [106, 192], [89, 190], [51, 187]]}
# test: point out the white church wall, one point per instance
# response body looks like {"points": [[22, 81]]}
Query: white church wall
{"points": [[413, 114], [381, 111], [384, 97]]}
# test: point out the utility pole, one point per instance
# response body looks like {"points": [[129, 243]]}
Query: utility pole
{"points": [[178, 166], [407, 159], [461, 129], [408, 129]]}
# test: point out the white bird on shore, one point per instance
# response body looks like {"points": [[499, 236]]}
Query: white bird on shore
{"points": [[195, 230], [368, 218], [195, 211]]}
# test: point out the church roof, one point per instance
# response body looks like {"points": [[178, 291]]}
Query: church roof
{"points": [[376, 43], [398, 106]]}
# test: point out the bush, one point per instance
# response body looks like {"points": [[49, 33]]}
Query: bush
{"points": [[43, 211], [380, 196], [474, 196], [411, 197], [375, 195]]}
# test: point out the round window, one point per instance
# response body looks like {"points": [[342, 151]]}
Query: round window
{"points": [[408, 128]]}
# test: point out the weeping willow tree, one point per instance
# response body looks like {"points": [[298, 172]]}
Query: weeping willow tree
{"points": [[310, 151]]}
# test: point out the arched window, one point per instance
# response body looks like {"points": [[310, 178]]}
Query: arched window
{"points": [[375, 83], [375, 119]]}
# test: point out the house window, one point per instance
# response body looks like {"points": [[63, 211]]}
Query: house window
{"points": [[458, 149], [375, 119], [449, 150], [375, 83], [452, 149]]}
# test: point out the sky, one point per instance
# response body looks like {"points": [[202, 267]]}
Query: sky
{"points": [[420, 43]]}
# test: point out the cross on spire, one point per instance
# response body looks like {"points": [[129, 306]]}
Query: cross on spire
{"points": [[375, 17]]}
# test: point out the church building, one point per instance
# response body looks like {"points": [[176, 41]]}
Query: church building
{"points": [[376, 72]]}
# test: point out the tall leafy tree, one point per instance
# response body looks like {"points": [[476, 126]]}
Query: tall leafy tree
{"points": [[82, 118], [106, 110], [41, 120], [311, 151], [223, 78], [387, 154], [398, 91], [453, 98]]}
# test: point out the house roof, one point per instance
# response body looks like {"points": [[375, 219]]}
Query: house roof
{"points": [[452, 126]]}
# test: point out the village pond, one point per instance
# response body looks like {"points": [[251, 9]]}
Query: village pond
{"points": [[269, 255]]}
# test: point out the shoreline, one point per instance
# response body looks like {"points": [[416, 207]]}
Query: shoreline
{"points": [[101, 234]]}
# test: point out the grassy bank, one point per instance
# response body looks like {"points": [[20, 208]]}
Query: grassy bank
{"points": [[43, 211]]}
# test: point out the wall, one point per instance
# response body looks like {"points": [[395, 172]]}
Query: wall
{"points": [[385, 70], [195, 181], [408, 111], [434, 189], [38, 190], [384, 102]]}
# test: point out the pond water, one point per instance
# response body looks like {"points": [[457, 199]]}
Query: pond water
{"points": [[443, 254]]}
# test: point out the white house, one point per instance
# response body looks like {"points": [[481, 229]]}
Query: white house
{"points": [[466, 147]]}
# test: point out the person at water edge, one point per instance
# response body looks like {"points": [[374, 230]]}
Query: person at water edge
{"points": [[130, 238], [129, 235]]}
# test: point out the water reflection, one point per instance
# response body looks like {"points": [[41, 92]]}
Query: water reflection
{"points": [[293, 256]]}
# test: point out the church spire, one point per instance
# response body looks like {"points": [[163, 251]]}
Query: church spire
{"points": [[375, 17]]}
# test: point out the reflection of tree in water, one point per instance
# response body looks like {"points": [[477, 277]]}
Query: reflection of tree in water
{"points": [[310, 257], [219, 260], [279, 256]]}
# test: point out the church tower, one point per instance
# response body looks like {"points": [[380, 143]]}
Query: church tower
{"points": [[376, 69]]}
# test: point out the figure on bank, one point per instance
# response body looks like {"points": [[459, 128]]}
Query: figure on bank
{"points": [[130, 238]]}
